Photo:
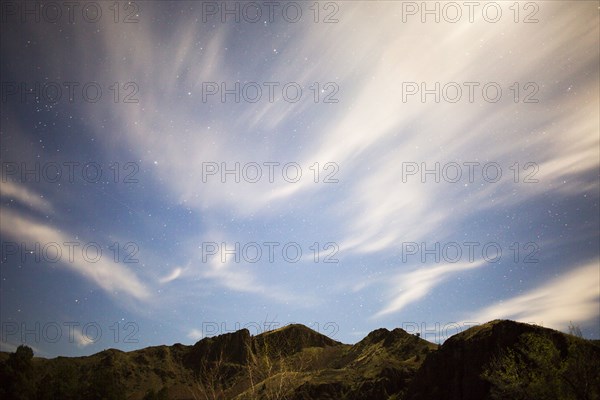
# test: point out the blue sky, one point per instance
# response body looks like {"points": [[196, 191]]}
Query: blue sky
{"points": [[204, 248]]}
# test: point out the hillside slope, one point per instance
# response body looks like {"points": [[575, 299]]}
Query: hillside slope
{"points": [[500, 359], [510, 360]]}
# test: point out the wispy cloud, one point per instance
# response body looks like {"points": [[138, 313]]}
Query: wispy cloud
{"points": [[370, 119], [195, 334], [413, 286], [239, 277], [572, 296], [20, 193], [372, 131], [368, 134], [110, 276], [176, 273], [81, 340]]}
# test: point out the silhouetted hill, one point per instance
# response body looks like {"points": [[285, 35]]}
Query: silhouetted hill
{"points": [[510, 360], [500, 359], [291, 339]]}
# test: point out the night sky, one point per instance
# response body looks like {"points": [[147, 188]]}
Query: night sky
{"points": [[176, 170]]}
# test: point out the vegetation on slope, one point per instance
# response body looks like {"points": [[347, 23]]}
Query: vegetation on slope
{"points": [[497, 360]]}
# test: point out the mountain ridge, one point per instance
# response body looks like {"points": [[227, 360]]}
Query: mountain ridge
{"points": [[296, 362]]}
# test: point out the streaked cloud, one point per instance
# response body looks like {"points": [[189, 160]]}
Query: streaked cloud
{"points": [[372, 131], [413, 286], [24, 195], [172, 276], [572, 297], [171, 133], [108, 275], [372, 118]]}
